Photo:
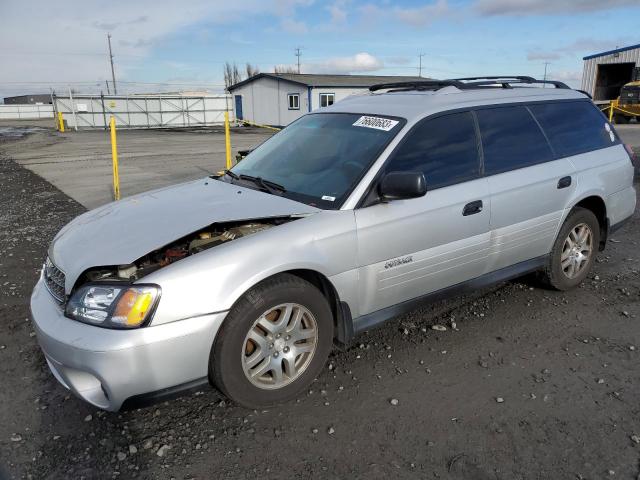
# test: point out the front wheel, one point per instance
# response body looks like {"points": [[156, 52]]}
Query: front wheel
{"points": [[273, 343], [574, 250]]}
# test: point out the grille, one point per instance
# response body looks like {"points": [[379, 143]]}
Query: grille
{"points": [[54, 280]]}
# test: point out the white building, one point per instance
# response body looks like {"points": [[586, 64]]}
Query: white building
{"points": [[280, 98], [605, 73]]}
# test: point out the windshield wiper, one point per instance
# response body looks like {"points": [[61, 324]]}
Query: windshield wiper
{"points": [[271, 187]]}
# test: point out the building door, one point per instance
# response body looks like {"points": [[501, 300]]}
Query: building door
{"points": [[238, 99]]}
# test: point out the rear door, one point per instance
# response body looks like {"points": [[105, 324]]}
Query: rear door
{"points": [[408, 248], [529, 186]]}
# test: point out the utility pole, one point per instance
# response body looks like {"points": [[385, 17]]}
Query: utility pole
{"points": [[113, 73], [420, 55], [298, 53], [108, 91], [546, 64]]}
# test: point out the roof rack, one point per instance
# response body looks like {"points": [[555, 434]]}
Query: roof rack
{"points": [[468, 83], [417, 85]]}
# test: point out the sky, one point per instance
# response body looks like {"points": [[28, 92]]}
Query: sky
{"points": [[162, 45]]}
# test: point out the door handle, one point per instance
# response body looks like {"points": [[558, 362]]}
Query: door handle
{"points": [[472, 208], [564, 182]]}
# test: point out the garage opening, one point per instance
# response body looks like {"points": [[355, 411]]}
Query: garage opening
{"points": [[611, 78]]}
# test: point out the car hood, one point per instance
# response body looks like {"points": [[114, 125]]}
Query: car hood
{"points": [[121, 232]]}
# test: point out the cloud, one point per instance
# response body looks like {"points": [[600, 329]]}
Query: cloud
{"points": [[286, 8], [543, 7], [338, 12], [107, 27], [578, 46], [534, 56], [293, 26], [370, 15], [422, 16], [358, 63], [139, 43], [78, 57]]}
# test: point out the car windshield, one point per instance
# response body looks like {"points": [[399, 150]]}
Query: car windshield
{"points": [[319, 158]]}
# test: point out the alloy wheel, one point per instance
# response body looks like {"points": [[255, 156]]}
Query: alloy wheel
{"points": [[279, 346], [577, 250]]}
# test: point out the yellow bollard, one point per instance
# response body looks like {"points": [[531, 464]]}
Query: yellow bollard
{"points": [[60, 122], [227, 139], [611, 112], [114, 156]]}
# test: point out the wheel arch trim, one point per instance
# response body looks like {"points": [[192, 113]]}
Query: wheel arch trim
{"points": [[340, 309], [594, 201]]}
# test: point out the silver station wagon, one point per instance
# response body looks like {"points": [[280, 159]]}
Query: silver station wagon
{"points": [[348, 217]]}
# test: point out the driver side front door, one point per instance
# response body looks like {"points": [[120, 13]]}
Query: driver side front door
{"points": [[409, 248]]}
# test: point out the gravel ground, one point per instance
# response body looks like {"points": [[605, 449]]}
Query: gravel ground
{"points": [[516, 382]]}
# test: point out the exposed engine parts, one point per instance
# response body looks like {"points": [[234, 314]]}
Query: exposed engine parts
{"points": [[192, 244], [211, 239]]}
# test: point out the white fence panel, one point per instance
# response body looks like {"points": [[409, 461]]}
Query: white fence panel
{"points": [[143, 111], [25, 112]]}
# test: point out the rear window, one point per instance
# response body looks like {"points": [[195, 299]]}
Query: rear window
{"points": [[511, 139], [574, 127]]}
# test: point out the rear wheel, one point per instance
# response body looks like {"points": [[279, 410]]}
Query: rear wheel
{"points": [[273, 343], [574, 250]]}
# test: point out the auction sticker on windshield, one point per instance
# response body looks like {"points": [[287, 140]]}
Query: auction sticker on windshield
{"points": [[378, 123]]}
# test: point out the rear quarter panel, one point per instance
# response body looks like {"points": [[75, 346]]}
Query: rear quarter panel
{"points": [[606, 173]]}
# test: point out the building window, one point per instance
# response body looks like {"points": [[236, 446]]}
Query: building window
{"points": [[294, 101], [327, 99]]}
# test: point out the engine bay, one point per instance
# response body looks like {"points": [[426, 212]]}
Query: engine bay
{"points": [[192, 244]]}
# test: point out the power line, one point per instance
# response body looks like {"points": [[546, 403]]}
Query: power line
{"points": [[298, 53], [546, 64], [113, 73], [420, 55]]}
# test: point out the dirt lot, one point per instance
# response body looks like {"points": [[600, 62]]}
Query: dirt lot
{"points": [[530, 384]]}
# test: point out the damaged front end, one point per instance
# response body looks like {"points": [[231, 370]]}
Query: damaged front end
{"points": [[204, 239], [114, 296]]}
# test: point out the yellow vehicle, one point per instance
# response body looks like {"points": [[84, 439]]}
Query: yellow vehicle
{"points": [[628, 104]]}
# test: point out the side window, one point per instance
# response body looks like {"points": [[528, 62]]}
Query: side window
{"points": [[444, 148], [511, 139], [294, 101], [327, 99], [574, 127]]}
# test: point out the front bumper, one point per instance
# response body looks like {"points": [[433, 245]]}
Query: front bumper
{"points": [[105, 367]]}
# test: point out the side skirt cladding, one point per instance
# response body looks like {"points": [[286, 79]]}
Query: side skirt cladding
{"points": [[372, 320]]}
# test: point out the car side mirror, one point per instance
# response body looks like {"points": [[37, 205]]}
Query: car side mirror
{"points": [[402, 185]]}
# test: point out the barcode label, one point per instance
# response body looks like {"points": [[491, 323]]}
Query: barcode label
{"points": [[378, 123]]}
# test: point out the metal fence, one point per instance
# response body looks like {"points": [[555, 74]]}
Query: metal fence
{"points": [[143, 111], [25, 112]]}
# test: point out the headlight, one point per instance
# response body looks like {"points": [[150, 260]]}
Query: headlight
{"points": [[113, 306]]}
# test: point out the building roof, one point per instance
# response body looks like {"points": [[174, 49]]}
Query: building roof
{"points": [[319, 80], [611, 52]]}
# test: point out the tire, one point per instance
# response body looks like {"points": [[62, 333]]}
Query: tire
{"points": [[562, 277], [261, 325]]}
